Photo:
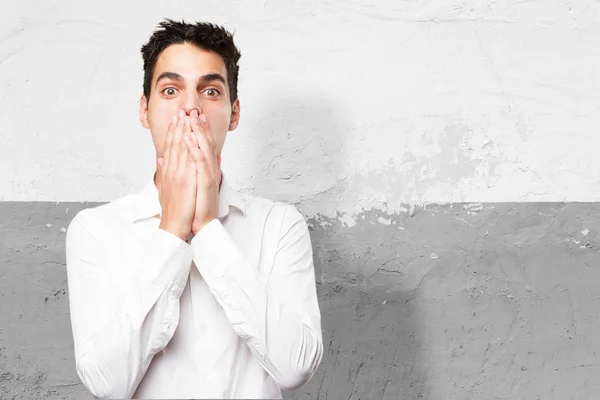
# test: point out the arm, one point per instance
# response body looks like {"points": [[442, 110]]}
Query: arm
{"points": [[277, 315], [117, 332]]}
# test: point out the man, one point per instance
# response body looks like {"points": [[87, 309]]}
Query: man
{"points": [[189, 288]]}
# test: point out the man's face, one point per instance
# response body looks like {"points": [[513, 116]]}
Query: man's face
{"points": [[187, 77]]}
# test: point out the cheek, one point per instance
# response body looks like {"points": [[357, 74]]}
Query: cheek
{"points": [[221, 118], [219, 123], [159, 126]]}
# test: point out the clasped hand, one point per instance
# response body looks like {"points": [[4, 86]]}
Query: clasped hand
{"points": [[190, 143]]}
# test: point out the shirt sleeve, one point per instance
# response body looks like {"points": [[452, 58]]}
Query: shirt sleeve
{"points": [[278, 315], [116, 333]]}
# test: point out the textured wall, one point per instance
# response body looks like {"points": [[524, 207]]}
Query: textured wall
{"points": [[344, 104], [443, 153], [450, 302]]}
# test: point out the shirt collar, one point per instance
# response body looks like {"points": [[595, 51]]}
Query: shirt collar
{"points": [[147, 203]]}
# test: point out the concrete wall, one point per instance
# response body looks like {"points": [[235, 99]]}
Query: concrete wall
{"points": [[444, 154]]}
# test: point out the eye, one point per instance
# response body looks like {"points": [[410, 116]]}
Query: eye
{"points": [[170, 91], [212, 92]]}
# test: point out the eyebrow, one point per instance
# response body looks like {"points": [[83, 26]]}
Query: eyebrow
{"points": [[203, 79]]}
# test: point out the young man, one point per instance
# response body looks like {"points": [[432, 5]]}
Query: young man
{"points": [[189, 288]]}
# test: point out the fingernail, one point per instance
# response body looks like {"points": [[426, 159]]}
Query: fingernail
{"points": [[203, 118], [194, 114], [187, 137], [174, 119], [181, 113]]}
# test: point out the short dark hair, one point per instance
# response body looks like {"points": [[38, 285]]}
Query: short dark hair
{"points": [[207, 36]]}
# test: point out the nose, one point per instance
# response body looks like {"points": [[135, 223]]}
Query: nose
{"points": [[191, 101]]}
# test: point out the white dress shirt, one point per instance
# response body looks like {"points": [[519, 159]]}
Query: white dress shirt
{"points": [[231, 313]]}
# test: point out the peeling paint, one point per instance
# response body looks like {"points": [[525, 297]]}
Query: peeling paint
{"points": [[384, 221]]}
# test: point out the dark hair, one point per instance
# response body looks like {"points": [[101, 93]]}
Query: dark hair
{"points": [[205, 35]]}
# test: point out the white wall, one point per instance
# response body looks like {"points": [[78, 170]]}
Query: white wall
{"points": [[345, 104]]}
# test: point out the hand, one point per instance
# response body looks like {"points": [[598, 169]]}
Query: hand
{"points": [[208, 172], [176, 183]]}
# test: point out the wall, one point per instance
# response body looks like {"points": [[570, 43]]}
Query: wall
{"points": [[443, 153]]}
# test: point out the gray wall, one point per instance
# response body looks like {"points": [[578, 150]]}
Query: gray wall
{"points": [[461, 301]]}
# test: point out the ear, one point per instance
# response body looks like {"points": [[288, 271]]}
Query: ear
{"points": [[144, 112], [235, 114]]}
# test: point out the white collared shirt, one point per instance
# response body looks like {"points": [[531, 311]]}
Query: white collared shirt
{"points": [[232, 313]]}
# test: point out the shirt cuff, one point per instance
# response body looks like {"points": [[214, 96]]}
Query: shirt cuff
{"points": [[168, 260], [211, 247]]}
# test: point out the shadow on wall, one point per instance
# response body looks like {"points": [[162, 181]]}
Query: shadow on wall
{"points": [[295, 148], [370, 331]]}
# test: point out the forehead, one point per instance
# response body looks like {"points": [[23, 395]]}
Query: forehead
{"points": [[189, 60]]}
